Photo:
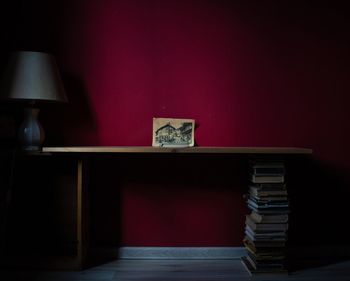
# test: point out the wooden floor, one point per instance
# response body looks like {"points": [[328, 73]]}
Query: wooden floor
{"points": [[176, 270]]}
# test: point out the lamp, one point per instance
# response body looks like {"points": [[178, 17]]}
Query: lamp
{"points": [[32, 77]]}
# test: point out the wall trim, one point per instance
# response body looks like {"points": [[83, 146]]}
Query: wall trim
{"points": [[215, 253]]}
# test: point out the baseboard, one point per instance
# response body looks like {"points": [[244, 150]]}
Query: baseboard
{"points": [[214, 253]]}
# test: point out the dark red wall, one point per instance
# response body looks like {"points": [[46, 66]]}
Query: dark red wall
{"points": [[251, 73]]}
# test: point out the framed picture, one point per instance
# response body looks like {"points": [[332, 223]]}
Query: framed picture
{"points": [[170, 132]]}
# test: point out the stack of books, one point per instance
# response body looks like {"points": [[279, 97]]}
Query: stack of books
{"points": [[267, 224]]}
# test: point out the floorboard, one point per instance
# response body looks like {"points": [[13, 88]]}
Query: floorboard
{"points": [[176, 270]]}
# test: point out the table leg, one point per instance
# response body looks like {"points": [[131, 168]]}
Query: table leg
{"points": [[82, 214]]}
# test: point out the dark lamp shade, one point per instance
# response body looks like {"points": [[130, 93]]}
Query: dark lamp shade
{"points": [[32, 76]]}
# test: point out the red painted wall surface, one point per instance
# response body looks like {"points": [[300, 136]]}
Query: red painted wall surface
{"points": [[251, 73]]}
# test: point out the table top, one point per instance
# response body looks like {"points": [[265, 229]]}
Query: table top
{"points": [[196, 149]]}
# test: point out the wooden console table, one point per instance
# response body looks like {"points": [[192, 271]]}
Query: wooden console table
{"points": [[81, 154], [149, 149]]}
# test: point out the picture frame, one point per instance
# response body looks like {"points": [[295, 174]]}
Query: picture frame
{"points": [[173, 132]]}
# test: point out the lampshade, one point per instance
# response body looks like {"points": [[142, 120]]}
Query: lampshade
{"points": [[32, 76]]}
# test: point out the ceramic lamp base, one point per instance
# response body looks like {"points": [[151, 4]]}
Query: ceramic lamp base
{"points": [[31, 133]]}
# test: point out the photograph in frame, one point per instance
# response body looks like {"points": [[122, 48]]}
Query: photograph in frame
{"points": [[171, 132]]}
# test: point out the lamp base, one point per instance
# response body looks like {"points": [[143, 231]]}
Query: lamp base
{"points": [[31, 134]]}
